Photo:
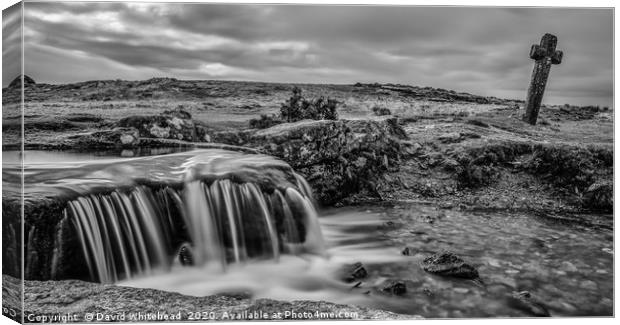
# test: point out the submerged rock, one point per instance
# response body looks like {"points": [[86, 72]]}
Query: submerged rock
{"points": [[407, 251], [449, 264], [186, 257], [397, 288], [356, 271], [525, 301]]}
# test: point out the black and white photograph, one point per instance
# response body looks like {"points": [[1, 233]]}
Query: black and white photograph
{"points": [[213, 161]]}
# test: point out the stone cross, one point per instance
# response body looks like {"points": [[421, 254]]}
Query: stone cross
{"points": [[545, 55]]}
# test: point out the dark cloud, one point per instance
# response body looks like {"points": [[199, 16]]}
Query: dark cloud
{"points": [[480, 50]]}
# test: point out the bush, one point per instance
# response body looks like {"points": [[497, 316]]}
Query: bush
{"points": [[265, 121], [381, 111], [298, 108]]}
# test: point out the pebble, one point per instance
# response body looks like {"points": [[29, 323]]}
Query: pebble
{"points": [[493, 262], [507, 281], [568, 267], [589, 285], [568, 307], [461, 290]]}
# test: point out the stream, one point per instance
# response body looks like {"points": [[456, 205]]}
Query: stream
{"points": [[568, 266]]}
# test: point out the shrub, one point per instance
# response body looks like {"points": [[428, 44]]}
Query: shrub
{"points": [[380, 110], [298, 108]]}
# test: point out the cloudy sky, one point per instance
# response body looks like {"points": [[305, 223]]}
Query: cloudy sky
{"points": [[478, 50]]}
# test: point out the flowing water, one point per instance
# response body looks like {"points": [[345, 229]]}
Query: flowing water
{"points": [[242, 240], [512, 252]]}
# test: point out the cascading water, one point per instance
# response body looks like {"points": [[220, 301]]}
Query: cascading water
{"points": [[139, 232]]}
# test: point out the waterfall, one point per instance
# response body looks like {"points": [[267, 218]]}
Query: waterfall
{"points": [[129, 233]]}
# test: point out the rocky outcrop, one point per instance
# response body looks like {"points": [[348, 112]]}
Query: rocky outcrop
{"points": [[338, 158], [51, 246], [173, 124]]}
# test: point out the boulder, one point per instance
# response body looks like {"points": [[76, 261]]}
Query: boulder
{"points": [[172, 124], [600, 196], [449, 264], [528, 303]]}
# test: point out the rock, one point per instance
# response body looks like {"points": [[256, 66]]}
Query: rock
{"points": [[568, 267], [450, 164], [461, 290], [477, 123], [172, 124], [115, 138], [54, 248], [448, 264], [79, 297], [588, 285], [186, 257], [397, 288], [600, 196], [355, 272], [407, 251], [526, 302]]}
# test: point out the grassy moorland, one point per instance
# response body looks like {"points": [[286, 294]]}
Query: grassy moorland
{"points": [[461, 150]]}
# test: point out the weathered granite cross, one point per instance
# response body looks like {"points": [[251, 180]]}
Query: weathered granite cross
{"points": [[545, 55]]}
